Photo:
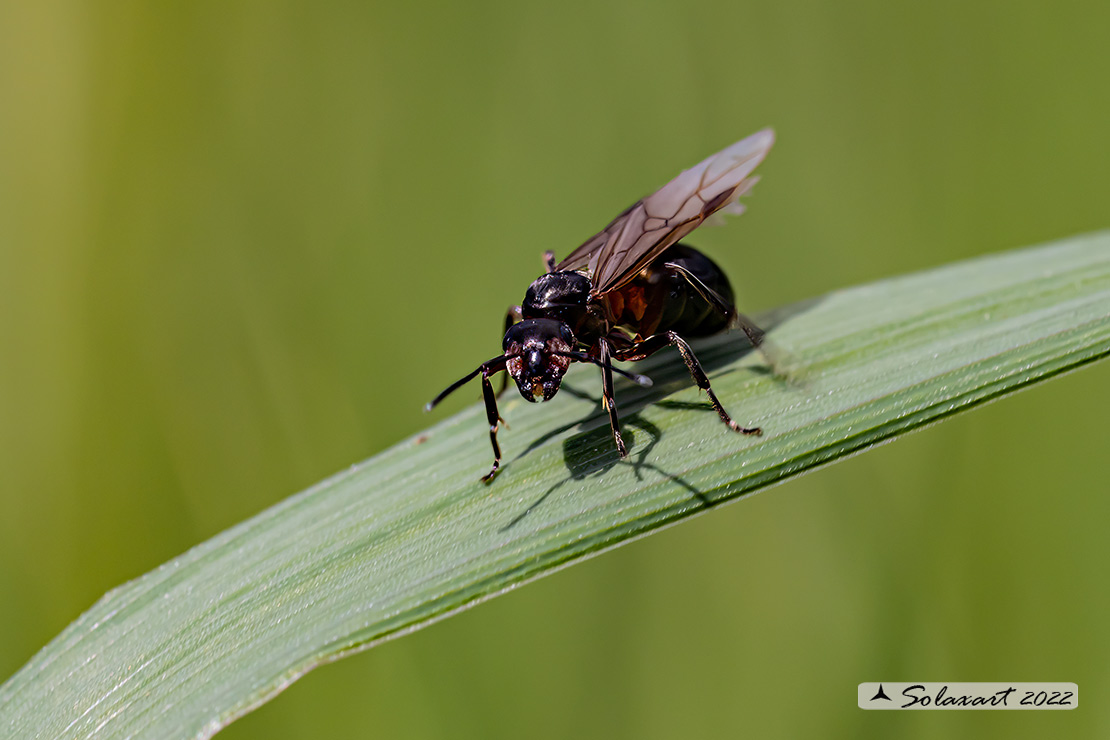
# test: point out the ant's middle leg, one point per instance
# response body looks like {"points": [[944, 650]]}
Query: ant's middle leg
{"points": [[608, 400], [653, 344]]}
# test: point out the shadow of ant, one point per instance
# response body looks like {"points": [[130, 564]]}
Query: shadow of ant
{"points": [[592, 453]]}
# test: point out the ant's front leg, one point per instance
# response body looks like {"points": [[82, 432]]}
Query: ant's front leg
{"points": [[486, 369], [736, 320], [493, 418]]}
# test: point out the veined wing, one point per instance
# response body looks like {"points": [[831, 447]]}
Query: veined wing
{"points": [[636, 237]]}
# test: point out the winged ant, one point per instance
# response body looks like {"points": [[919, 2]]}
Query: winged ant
{"points": [[629, 291]]}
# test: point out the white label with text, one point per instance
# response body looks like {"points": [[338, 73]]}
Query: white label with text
{"points": [[941, 695]]}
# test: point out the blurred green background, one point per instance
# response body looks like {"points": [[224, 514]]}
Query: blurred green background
{"points": [[242, 243]]}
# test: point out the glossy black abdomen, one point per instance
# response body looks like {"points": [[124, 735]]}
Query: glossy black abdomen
{"points": [[662, 298]]}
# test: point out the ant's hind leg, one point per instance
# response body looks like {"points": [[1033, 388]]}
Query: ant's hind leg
{"points": [[736, 320], [653, 344], [702, 382], [751, 331]]}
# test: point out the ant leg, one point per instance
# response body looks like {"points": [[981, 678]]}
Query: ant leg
{"points": [[653, 344], [607, 398], [493, 418], [751, 331], [486, 369], [703, 382], [712, 297], [736, 319], [512, 316], [549, 261]]}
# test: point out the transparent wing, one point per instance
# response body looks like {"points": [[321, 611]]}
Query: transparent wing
{"points": [[580, 258], [636, 237]]}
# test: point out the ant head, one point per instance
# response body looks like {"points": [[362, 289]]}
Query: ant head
{"points": [[536, 359]]}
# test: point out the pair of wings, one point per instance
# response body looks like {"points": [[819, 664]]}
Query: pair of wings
{"points": [[618, 253]]}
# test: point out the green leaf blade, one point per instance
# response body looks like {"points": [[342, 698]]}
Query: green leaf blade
{"points": [[411, 535]]}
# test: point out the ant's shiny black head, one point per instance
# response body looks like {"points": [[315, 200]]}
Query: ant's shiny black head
{"points": [[537, 356]]}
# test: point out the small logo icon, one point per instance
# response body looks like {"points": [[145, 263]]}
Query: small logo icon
{"points": [[880, 694]]}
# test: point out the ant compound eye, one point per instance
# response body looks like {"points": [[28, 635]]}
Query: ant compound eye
{"points": [[566, 335]]}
